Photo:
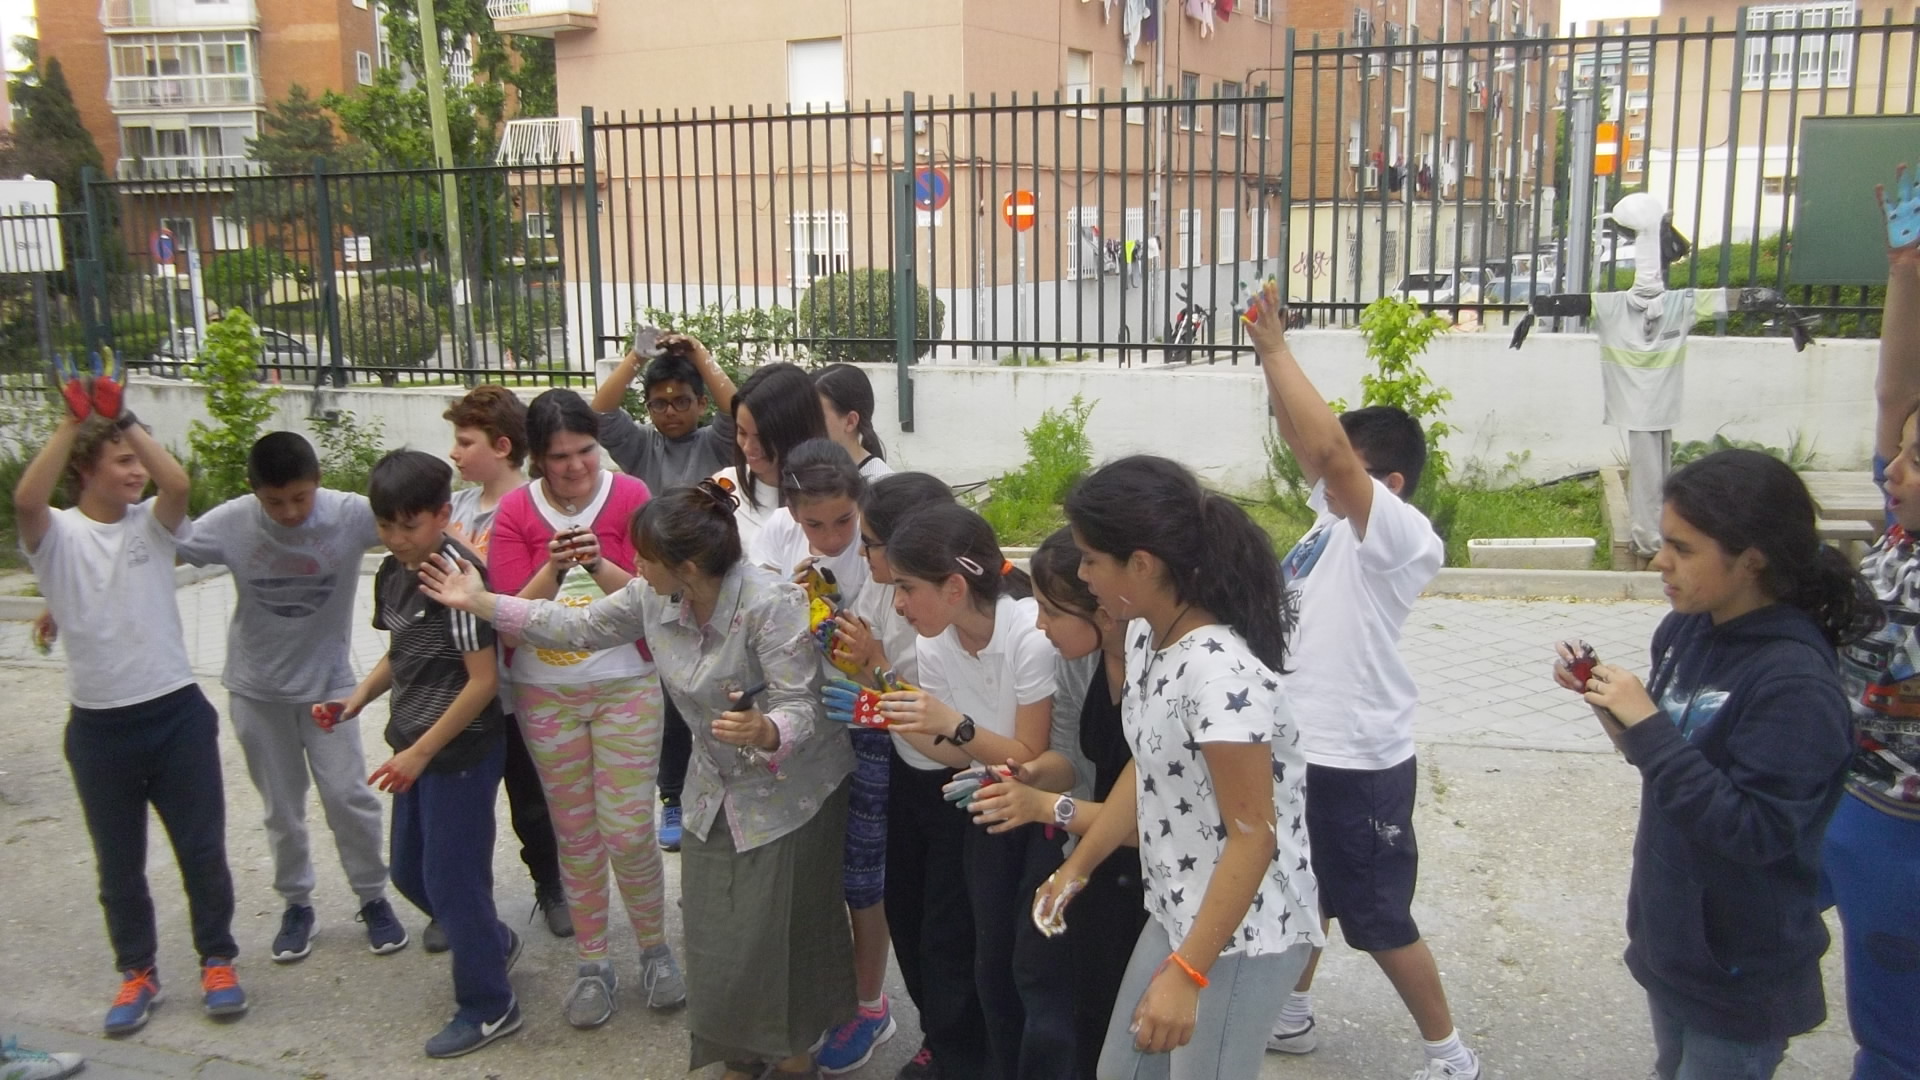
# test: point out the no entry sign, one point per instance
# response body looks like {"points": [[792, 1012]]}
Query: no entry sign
{"points": [[1017, 210]]}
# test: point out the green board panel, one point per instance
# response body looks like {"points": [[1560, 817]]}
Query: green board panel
{"points": [[1839, 237]]}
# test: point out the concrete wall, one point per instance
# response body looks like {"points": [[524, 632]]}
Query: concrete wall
{"points": [[1542, 403]]}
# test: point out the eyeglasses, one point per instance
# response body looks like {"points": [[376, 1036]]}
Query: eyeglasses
{"points": [[867, 547], [670, 405]]}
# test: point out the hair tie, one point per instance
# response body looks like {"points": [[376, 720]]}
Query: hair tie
{"points": [[1006, 568], [719, 490]]}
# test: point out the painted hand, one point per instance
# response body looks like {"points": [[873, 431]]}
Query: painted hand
{"points": [[397, 776], [73, 387], [106, 391], [1050, 901], [850, 703], [1903, 216], [330, 714], [1266, 317], [1165, 1018], [966, 784]]}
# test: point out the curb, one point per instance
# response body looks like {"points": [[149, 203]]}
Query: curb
{"points": [[1639, 585], [28, 608]]}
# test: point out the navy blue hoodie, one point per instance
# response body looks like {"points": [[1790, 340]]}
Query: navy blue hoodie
{"points": [[1737, 782]]}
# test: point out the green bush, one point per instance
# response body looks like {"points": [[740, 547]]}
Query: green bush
{"points": [[1025, 506], [859, 304], [237, 401], [388, 328], [522, 325], [348, 449], [246, 278]]}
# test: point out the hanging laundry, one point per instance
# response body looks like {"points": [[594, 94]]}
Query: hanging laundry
{"points": [[1201, 11], [1225, 8], [1396, 177], [1150, 26], [1111, 264], [1090, 251], [1108, 5], [1133, 18]]}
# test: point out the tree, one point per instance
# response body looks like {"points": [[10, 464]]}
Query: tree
{"points": [[50, 142], [294, 132]]}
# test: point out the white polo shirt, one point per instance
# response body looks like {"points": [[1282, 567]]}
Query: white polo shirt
{"points": [[1016, 668]]}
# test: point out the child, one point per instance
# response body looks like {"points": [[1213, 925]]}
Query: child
{"points": [[1742, 745], [295, 549], [987, 679], [445, 729], [928, 915], [775, 410], [139, 732], [1215, 794], [1355, 577], [1872, 859], [591, 718], [821, 528], [489, 448], [770, 962], [846, 398]]}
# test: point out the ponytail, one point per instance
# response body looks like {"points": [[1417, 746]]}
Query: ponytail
{"points": [[1216, 557], [1839, 600], [938, 541], [849, 390], [690, 524]]}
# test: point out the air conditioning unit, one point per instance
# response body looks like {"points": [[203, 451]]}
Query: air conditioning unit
{"points": [[1370, 178], [1476, 102]]}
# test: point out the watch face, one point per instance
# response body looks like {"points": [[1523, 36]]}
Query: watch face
{"points": [[964, 733]]}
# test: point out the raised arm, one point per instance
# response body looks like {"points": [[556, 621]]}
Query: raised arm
{"points": [[1897, 386], [1307, 423], [719, 385], [33, 493], [170, 506], [612, 391]]}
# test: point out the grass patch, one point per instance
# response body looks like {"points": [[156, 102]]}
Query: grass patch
{"points": [[1024, 505], [1478, 511]]}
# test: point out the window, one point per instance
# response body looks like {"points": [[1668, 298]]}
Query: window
{"points": [[1782, 55], [1188, 226], [384, 52], [1777, 185], [1229, 114], [1079, 76], [1133, 82], [1470, 157], [1363, 35], [230, 234], [1263, 10], [820, 245], [1189, 90], [1084, 242], [1398, 57], [1225, 232], [1257, 227], [816, 73], [1640, 67], [1637, 101], [1353, 143], [1430, 65], [363, 68], [539, 226], [1257, 117], [361, 4], [1636, 164]]}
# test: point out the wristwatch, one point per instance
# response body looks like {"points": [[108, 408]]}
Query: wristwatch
{"points": [[1063, 811], [963, 734]]}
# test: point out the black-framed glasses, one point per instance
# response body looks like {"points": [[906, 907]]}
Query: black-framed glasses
{"points": [[867, 546], [670, 405]]}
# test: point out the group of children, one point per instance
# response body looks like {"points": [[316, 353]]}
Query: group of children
{"points": [[869, 732]]}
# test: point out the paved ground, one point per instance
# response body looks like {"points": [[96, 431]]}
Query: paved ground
{"points": [[1525, 818]]}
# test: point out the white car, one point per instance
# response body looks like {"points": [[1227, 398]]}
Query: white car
{"points": [[1440, 286]]}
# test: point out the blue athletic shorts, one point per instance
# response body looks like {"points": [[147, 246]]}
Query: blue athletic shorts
{"points": [[1360, 824]]}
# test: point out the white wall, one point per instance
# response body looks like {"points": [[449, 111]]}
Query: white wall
{"points": [[1542, 402]]}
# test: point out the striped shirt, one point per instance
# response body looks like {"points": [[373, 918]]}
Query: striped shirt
{"points": [[427, 652]]}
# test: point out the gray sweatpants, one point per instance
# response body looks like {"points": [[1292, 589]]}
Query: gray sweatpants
{"points": [[1649, 459], [282, 744], [1238, 1008]]}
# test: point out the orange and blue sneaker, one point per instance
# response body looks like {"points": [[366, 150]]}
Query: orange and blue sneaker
{"points": [[220, 988], [852, 1044], [139, 993]]}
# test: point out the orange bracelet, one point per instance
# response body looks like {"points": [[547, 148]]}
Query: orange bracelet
{"points": [[1192, 973]]}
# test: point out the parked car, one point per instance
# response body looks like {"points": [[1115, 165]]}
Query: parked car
{"points": [[1440, 286], [1514, 290], [294, 359]]}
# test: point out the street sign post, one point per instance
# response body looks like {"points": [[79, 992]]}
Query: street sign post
{"points": [[1019, 210], [161, 246]]}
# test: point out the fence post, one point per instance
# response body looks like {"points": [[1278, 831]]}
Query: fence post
{"points": [[1286, 171], [94, 324], [906, 311], [329, 281], [590, 160], [1736, 78]]}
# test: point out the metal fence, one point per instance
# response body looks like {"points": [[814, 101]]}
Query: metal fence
{"points": [[1021, 230], [42, 311]]}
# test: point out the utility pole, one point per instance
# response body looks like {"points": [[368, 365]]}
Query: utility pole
{"points": [[449, 184]]}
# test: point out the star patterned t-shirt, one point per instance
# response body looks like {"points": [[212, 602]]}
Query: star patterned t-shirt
{"points": [[1209, 687]]}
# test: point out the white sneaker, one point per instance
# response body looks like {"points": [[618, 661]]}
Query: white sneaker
{"points": [[1293, 1040], [1445, 1070]]}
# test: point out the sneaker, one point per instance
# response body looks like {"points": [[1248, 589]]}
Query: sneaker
{"points": [[464, 1036], [920, 1068], [590, 1003], [17, 1063], [551, 901], [660, 976], [434, 937], [139, 993], [513, 951], [1445, 1070], [1293, 1040], [670, 828], [384, 932], [850, 1045], [295, 939], [220, 989]]}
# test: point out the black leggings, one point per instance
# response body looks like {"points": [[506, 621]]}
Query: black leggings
{"points": [[931, 919], [527, 807], [676, 746], [165, 752]]}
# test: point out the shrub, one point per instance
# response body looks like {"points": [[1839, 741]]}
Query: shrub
{"points": [[740, 339], [237, 401], [1396, 333], [388, 328], [246, 278], [1025, 503], [348, 449], [523, 328], [857, 304]]}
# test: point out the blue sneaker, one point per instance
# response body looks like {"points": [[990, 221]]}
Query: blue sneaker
{"points": [[295, 939], [384, 932], [464, 1036], [670, 828], [220, 989], [850, 1045], [139, 993]]}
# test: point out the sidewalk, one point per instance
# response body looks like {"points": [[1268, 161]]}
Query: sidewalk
{"points": [[1525, 817]]}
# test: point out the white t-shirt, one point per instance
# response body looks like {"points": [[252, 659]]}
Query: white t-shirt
{"points": [[873, 468], [1642, 358], [1349, 685], [533, 666], [1016, 668], [782, 545], [900, 642], [751, 515], [1208, 687], [110, 589]]}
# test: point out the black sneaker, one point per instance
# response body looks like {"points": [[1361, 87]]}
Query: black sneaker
{"points": [[434, 938], [384, 932], [295, 939], [551, 901]]}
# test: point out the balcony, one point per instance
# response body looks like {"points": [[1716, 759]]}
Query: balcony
{"points": [[178, 14], [189, 92], [190, 167], [542, 18], [550, 141]]}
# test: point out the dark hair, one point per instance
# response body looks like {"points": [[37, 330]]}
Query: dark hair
{"points": [[1216, 557], [891, 498], [499, 413], [689, 524], [1744, 499], [937, 541], [1056, 575], [851, 392], [553, 412], [786, 413], [1390, 441], [408, 482], [279, 458], [820, 469], [96, 432], [674, 365]]}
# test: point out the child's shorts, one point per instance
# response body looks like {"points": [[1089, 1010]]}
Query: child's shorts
{"points": [[1360, 824], [864, 865]]}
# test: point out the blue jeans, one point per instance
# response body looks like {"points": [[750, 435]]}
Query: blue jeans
{"points": [[1235, 1014], [1685, 1053], [443, 864], [1872, 870]]}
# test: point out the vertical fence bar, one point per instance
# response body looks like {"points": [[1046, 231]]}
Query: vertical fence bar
{"points": [[329, 280], [906, 312], [590, 194]]}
